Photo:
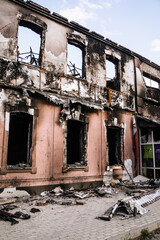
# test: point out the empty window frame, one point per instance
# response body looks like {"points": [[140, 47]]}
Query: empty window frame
{"points": [[150, 82], [112, 75], [75, 62], [115, 145], [75, 142], [29, 43], [20, 139], [150, 152]]}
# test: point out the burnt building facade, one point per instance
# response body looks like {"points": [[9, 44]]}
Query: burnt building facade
{"points": [[72, 103]]}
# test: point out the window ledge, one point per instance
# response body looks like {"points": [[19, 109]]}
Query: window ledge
{"points": [[147, 99], [73, 167], [19, 170], [16, 169]]}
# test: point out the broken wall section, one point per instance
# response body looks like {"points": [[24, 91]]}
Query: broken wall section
{"points": [[148, 92], [49, 70]]}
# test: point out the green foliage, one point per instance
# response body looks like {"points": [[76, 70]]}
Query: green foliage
{"points": [[157, 231], [145, 235]]}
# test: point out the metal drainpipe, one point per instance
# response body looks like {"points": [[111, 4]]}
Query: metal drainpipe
{"points": [[101, 142], [135, 84], [53, 142], [137, 158]]}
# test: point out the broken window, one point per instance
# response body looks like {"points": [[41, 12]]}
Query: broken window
{"points": [[115, 145], [112, 73], [75, 64], [150, 82], [20, 139], [152, 86], [150, 152], [29, 43], [75, 142]]}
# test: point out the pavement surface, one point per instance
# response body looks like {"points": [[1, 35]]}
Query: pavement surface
{"points": [[77, 222]]}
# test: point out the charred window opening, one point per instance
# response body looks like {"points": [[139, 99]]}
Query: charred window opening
{"points": [[115, 144], [75, 63], [152, 86], [150, 151], [20, 139], [29, 43], [150, 81], [112, 76], [75, 142]]}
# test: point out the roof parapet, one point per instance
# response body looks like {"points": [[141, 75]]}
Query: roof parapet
{"points": [[76, 26], [60, 17], [31, 3], [97, 35], [80, 27]]}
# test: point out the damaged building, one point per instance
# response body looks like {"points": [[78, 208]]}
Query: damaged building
{"points": [[67, 119]]}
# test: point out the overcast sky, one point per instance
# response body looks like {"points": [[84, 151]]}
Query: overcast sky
{"points": [[134, 24]]}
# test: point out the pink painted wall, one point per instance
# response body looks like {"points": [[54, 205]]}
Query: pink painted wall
{"points": [[94, 148], [49, 153], [1, 138], [50, 147]]}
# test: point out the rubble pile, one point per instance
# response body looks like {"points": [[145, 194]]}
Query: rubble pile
{"points": [[139, 193], [142, 192]]}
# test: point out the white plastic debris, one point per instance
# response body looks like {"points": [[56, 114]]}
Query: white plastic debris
{"points": [[140, 179], [58, 190], [43, 194]]}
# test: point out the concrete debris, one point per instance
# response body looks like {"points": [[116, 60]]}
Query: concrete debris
{"points": [[127, 207], [104, 190], [140, 179], [80, 202], [58, 190]]}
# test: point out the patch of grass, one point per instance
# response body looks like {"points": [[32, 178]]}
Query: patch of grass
{"points": [[146, 235], [157, 231]]}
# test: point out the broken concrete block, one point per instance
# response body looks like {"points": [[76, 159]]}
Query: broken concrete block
{"points": [[80, 202]]}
